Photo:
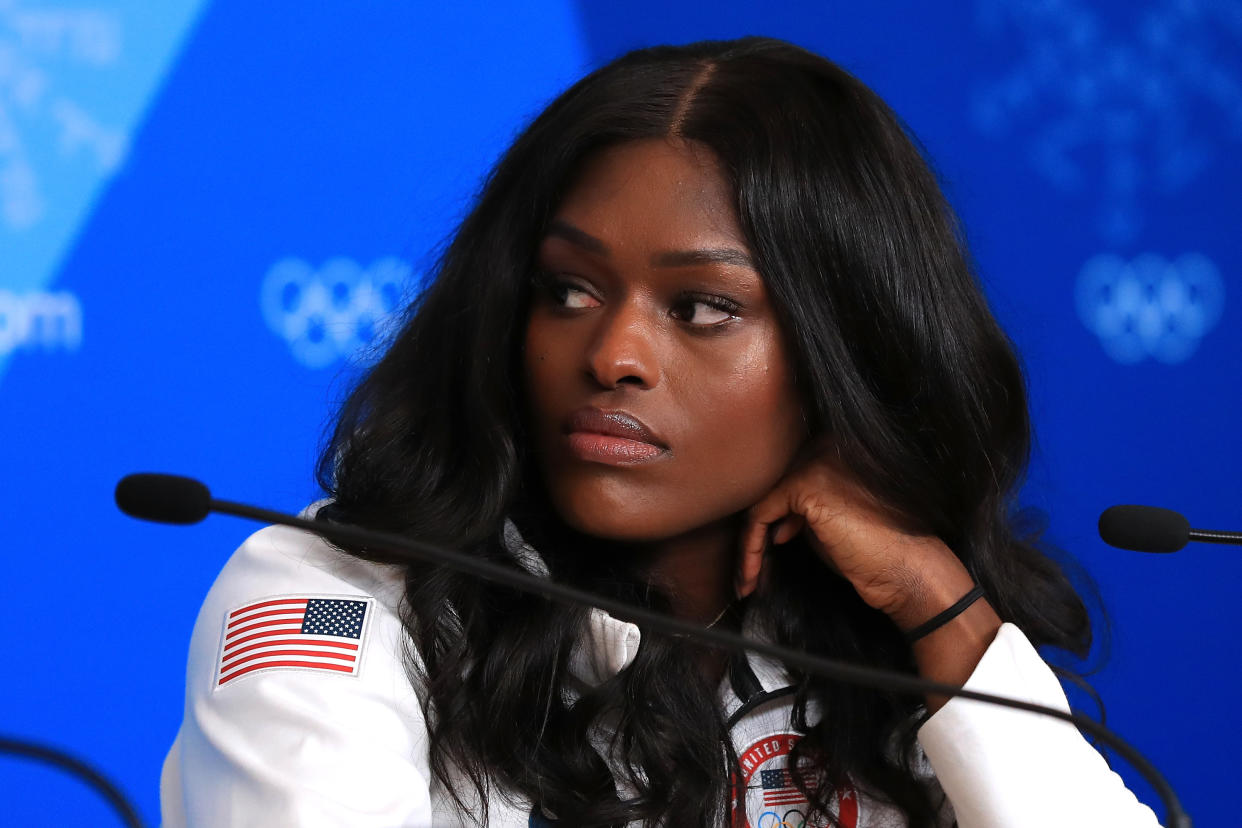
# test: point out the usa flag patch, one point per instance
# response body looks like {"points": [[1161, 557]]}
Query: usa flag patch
{"points": [[772, 797], [294, 632]]}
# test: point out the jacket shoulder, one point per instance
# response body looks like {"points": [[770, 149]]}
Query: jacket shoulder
{"points": [[299, 706], [285, 589]]}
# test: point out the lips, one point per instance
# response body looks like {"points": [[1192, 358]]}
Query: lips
{"points": [[612, 437]]}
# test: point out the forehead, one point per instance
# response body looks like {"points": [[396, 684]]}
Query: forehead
{"points": [[665, 190]]}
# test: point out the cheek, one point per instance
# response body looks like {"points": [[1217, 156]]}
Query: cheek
{"points": [[747, 427]]}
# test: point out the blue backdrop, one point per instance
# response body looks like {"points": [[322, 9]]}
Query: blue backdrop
{"points": [[208, 208]]}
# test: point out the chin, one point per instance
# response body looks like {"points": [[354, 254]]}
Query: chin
{"points": [[626, 514], [626, 524]]}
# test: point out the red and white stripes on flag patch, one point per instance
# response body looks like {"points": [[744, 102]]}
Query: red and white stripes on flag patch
{"points": [[294, 632]]}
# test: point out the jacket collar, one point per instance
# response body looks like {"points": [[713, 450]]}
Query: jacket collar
{"points": [[608, 645]]}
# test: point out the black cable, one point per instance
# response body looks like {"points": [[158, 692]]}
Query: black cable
{"points": [[75, 767]]}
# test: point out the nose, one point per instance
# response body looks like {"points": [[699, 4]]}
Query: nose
{"points": [[623, 350]]}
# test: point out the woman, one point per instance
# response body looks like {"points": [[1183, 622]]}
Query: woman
{"points": [[709, 342]]}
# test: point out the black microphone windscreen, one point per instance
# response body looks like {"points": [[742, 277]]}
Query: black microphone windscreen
{"points": [[1144, 528], [165, 498]]}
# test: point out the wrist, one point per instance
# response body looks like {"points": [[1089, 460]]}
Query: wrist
{"points": [[934, 580], [930, 580], [950, 653], [945, 617]]}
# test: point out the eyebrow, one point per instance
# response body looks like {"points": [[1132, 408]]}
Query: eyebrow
{"points": [[669, 258]]}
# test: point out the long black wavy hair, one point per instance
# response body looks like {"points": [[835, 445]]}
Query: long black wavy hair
{"points": [[897, 357]]}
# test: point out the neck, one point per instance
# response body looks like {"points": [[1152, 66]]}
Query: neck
{"points": [[696, 569]]}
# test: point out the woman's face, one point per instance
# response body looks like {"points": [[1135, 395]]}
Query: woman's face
{"points": [[660, 390]]}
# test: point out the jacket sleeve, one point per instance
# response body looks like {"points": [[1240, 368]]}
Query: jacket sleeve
{"points": [[286, 741], [1001, 766]]}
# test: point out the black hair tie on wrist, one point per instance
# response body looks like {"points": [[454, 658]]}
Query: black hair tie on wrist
{"points": [[939, 620]]}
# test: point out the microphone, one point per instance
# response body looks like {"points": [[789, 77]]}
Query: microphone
{"points": [[163, 498], [166, 498], [1152, 529]]}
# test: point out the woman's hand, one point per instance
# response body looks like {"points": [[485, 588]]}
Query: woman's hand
{"points": [[909, 577], [894, 571]]}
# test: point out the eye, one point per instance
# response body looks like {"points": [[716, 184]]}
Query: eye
{"points": [[565, 292], [702, 310], [572, 296]]}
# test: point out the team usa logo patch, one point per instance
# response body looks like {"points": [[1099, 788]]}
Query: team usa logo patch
{"points": [[772, 796], [294, 632]]}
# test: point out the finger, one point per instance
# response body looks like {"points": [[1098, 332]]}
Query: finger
{"points": [[755, 539], [750, 560]]}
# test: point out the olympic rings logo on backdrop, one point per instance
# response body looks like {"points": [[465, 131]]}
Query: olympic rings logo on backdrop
{"points": [[1150, 307], [333, 312]]}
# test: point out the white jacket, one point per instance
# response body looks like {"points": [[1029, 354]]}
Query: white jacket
{"points": [[299, 712]]}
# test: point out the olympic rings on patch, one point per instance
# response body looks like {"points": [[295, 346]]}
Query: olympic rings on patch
{"points": [[781, 822]]}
